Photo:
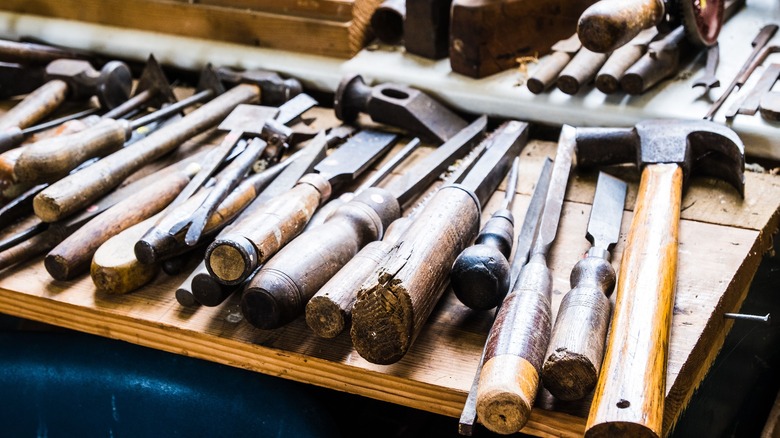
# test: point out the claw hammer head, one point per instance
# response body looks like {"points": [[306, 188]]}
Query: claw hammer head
{"points": [[696, 145]]}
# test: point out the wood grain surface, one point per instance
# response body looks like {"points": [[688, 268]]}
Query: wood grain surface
{"points": [[722, 239]]}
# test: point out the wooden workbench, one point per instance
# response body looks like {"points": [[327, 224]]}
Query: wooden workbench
{"points": [[722, 239]]}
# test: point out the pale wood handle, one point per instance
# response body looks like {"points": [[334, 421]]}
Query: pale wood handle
{"points": [[544, 76], [629, 397], [609, 24], [35, 105]]}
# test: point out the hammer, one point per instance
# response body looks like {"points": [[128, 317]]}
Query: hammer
{"points": [[629, 396], [74, 79]]}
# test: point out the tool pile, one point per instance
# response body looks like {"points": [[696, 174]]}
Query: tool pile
{"points": [[285, 214]]}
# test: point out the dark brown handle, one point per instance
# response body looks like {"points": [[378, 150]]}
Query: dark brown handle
{"points": [[35, 105], [280, 290], [514, 351], [629, 397], [573, 358], [580, 70], [73, 255], [396, 300], [27, 249], [184, 293], [609, 24], [544, 77], [51, 159], [78, 190], [233, 257]]}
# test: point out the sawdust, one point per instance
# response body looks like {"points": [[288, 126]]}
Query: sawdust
{"points": [[522, 67]]}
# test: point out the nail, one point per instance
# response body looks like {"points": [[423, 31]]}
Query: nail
{"points": [[767, 319]]}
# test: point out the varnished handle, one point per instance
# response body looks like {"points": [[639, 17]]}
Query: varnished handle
{"points": [[233, 257], [76, 191], [609, 24], [514, 351], [280, 290], [73, 255], [51, 159], [573, 358], [35, 105], [629, 397]]}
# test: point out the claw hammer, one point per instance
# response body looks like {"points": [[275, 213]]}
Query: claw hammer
{"points": [[629, 397]]}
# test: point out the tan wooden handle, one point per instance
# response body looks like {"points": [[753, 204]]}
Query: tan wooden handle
{"points": [[609, 24], [608, 77], [629, 397], [51, 159], [580, 70], [35, 105], [544, 77]]}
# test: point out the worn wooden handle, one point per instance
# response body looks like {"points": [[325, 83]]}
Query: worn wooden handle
{"points": [[27, 249], [608, 77], [73, 255], [609, 24], [51, 159], [580, 70], [35, 105], [78, 190], [629, 397], [514, 351], [233, 257], [573, 358], [280, 290], [397, 298], [184, 293], [650, 70], [545, 75]]}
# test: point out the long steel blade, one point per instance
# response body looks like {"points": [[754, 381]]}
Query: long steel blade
{"points": [[294, 108], [353, 157], [606, 214], [507, 141], [548, 224], [420, 176]]}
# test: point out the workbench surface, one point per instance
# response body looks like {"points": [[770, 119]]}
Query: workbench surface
{"points": [[722, 239]]}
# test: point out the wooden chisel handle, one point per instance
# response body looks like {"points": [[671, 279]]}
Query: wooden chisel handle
{"points": [[184, 293], [76, 191], [27, 249], [573, 358], [545, 75], [74, 254], [609, 24], [397, 298], [629, 397], [514, 351], [580, 70], [51, 159], [233, 257], [280, 290], [35, 105], [608, 77]]}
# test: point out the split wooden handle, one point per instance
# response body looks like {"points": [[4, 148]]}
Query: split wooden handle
{"points": [[279, 292], [629, 397], [35, 105], [609, 24], [51, 159]]}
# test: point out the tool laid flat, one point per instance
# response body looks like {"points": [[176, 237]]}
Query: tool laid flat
{"points": [[279, 291], [573, 358]]}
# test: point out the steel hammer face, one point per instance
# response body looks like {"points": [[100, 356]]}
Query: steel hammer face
{"points": [[111, 84]]}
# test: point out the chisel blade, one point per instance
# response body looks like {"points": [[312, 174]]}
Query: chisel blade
{"points": [[606, 214], [355, 155]]}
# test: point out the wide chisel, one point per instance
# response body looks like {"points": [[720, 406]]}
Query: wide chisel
{"points": [[279, 292], [519, 336], [576, 348], [233, 257], [397, 298]]}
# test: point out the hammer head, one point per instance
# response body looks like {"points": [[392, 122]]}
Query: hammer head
{"points": [[696, 145], [111, 84]]}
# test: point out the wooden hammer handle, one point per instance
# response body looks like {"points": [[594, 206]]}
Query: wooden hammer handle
{"points": [[35, 105], [609, 24], [629, 397]]}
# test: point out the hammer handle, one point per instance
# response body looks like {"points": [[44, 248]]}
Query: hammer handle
{"points": [[73, 255], [35, 105], [609, 24], [52, 158], [76, 191], [629, 397]]}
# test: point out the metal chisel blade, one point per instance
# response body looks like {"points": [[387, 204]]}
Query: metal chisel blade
{"points": [[294, 108], [353, 157], [606, 214]]}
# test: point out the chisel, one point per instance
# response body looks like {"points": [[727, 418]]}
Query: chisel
{"points": [[279, 292], [576, 348], [396, 300]]}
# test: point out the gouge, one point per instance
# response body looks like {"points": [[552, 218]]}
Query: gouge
{"points": [[233, 257], [573, 358], [516, 343], [527, 232], [395, 301]]}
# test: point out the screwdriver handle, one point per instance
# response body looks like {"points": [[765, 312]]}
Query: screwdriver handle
{"points": [[233, 257], [35, 105], [281, 289], [52, 158], [329, 311], [480, 274], [515, 350], [573, 358]]}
